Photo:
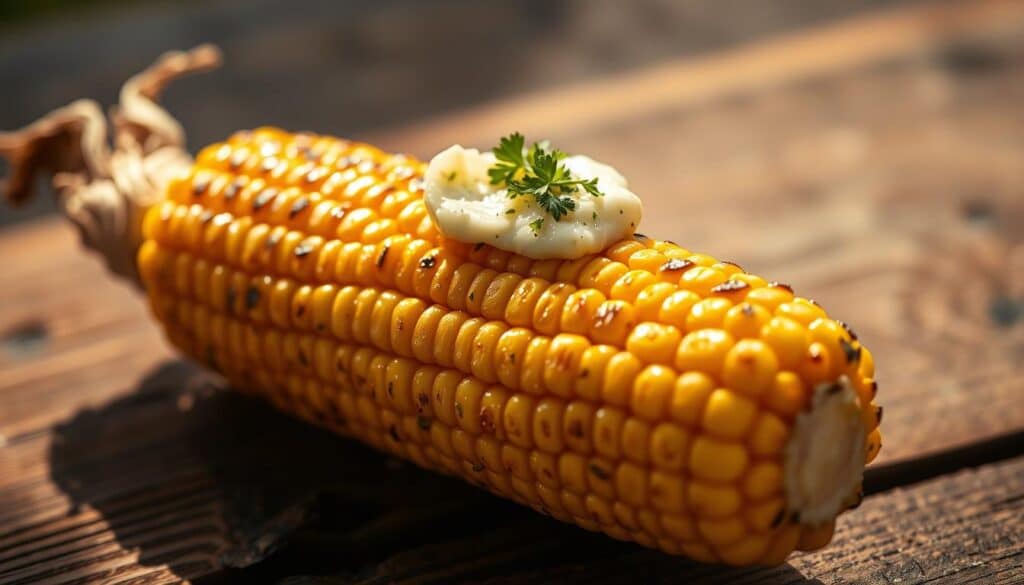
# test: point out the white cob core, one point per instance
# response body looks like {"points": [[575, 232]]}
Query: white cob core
{"points": [[824, 459]]}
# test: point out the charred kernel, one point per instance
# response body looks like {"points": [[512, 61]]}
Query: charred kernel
{"points": [[676, 265], [850, 350], [730, 286], [300, 204], [382, 256], [252, 297], [200, 185], [232, 189], [266, 196], [428, 262], [849, 330], [303, 249], [423, 422], [599, 472]]}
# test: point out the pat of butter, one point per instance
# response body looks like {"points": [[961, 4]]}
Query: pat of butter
{"points": [[465, 206]]}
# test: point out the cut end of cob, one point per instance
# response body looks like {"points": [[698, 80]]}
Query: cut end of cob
{"points": [[824, 460]]}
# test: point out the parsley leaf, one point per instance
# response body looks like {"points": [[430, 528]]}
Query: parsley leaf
{"points": [[539, 174], [509, 153]]}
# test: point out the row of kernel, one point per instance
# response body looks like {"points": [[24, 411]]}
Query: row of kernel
{"points": [[222, 199], [712, 503], [565, 365], [554, 424], [590, 313]]}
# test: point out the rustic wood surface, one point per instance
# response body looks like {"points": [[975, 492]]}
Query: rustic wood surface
{"points": [[885, 181]]}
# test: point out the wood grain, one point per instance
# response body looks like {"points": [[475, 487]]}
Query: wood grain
{"points": [[888, 188], [960, 529]]}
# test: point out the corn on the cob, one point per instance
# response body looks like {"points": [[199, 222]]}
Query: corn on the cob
{"points": [[647, 392]]}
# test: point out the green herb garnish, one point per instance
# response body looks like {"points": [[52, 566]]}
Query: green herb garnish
{"points": [[536, 225], [538, 173]]}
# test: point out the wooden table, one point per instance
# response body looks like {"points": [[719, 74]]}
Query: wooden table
{"points": [[877, 164]]}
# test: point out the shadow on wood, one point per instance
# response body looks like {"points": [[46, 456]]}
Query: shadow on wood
{"points": [[212, 483]]}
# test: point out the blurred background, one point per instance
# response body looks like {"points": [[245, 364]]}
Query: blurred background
{"points": [[349, 67], [871, 154]]}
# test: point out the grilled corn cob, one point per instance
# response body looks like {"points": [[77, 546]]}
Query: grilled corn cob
{"points": [[649, 392]]}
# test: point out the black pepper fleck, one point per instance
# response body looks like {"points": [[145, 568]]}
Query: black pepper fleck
{"points": [[428, 262]]}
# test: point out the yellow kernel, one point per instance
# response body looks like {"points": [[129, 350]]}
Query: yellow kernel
{"points": [[667, 492], [815, 537], [750, 367], [636, 439], [563, 362], [669, 446], [770, 297], [788, 339], [704, 351], [631, 484], [509, 355], [680, 527], [728, 415], [649, 301], [676, 307], [608, 423], [716, 460], [623, 368], [517, 419], [747, 551], [468, 395], [593, 363], [579, 311], [719, 533], [629, 285], [782, 544], [572, 470], [745, 320], [646, 259], [769, 435], [816, 365], [690, 396], [787, 396], [612, 322], [762, 480], [763, 516], [520, 309], [652, 392], [712, 501], [578, 425], [544, 468], [547, 425], [701, 279], [800, 310], [708, 314], [654, 342]]}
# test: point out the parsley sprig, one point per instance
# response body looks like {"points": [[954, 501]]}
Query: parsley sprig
{"points": [[539, 173]]}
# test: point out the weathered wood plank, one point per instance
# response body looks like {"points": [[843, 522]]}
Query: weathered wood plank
{"points": [[895, 202], [963, 528]]}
